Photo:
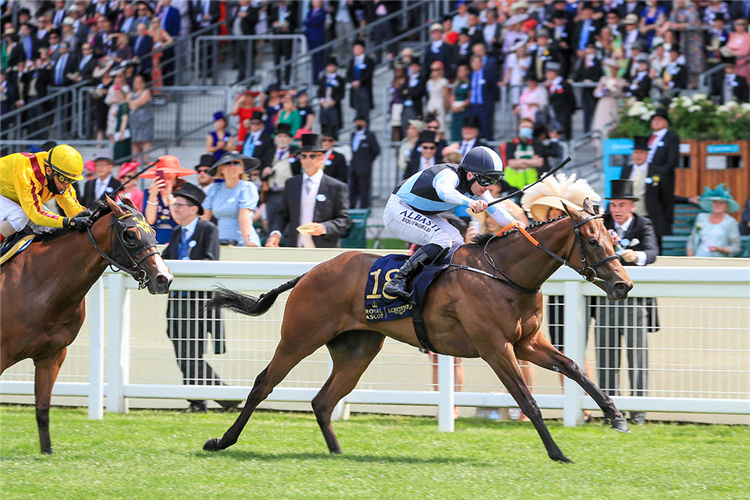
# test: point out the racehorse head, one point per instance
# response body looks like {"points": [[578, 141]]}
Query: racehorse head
{"points": [[133, 247], [594, 246]]}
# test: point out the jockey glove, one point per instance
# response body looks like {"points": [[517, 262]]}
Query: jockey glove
{"points": [[79, 222]]}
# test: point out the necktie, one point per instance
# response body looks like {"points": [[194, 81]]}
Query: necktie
{"points": [[281, 153], [651, 140], [357, 139], [356, 70], [60, 70], [639, 175], [464, 147], [308, 185], [620, 232], [584, 35], [27, 44], [183, 248]]}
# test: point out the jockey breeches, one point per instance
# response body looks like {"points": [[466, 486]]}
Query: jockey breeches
{"points": [[413, 226], [12, 212]]}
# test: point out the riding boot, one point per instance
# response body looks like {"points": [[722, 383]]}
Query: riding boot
{"points": [[398, 286]]}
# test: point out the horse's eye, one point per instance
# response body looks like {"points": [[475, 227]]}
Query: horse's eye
{"points": [[130, 236], [593, 241]]}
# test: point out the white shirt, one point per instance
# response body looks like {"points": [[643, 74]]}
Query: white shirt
{"points": [[101, 186], [435, 46], [308, 199], [189, 230], [424, 163], [459, 22], [641, 256]]}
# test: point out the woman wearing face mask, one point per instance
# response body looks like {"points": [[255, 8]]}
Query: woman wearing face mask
{"points": [[523, 157]]}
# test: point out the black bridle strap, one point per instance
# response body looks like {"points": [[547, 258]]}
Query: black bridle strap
{"points": [[138, 274]]}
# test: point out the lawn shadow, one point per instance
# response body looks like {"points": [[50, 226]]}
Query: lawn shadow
{"points": [[245, 455]]}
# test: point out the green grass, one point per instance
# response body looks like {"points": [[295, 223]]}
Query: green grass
{"points": [[157, 454]]}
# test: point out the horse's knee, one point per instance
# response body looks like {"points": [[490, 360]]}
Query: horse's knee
{"points": [[42, 417], [322, 409], [531, 409]]}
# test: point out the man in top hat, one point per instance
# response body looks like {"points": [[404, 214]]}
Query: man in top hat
{"points": [[438, 51], [588, 70], [633, 318], [426, 149], [334, 163], [631, 34], [258, 143], [205, 179], [675, 75], [562, 100], [663, 158], [105, 183], [729, 86], [562, 37], [359, 74], [331, 90], [637, 172], [314, 210], [640, 84], [542, 54], [188, 324], [279, 165], [365, 149]]}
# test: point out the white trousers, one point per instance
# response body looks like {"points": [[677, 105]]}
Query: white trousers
{"points": [[13, 213], [412, 226]]}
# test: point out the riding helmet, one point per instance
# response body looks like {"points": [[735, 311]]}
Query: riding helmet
{"points": [[482, 160], [65, 160]]}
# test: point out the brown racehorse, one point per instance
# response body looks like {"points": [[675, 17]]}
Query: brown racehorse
{"points": [[42, 292], [468, 314]]}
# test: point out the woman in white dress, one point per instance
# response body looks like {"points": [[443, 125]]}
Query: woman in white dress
{"points": [[438, 92], [517, 64], [609, 91]]}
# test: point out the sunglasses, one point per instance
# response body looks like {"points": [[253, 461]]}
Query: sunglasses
{"points": [[202, 170], [433, 128], [64, 180], [305, 156], [234, 164], [485, 181], [327, 140], [428, 148]]}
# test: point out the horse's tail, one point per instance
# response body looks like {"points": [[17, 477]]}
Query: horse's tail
{"points": [[247, 304]]}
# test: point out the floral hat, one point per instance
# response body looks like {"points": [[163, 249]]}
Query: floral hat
{"points": [[719, 193]]}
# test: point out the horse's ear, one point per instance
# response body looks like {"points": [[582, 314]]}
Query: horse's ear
{"points": [[127, 201], [568, 210], [116, 210], [588, 206]]}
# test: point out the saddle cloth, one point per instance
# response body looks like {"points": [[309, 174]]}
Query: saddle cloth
{"points": [[14, 245], [382, 307]]}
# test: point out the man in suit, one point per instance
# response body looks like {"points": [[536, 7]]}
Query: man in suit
{"points": [[43, 26], [438, 51], [640, 83], [715, 40], [470, 127], [413, 92], [105, 183], [489, 63], [585, 30], [359, 74], [188, 324], [588, 70], [482, 97], [126, 20], [28, 41], [313, 200], [58, 15], [542, 54], [66, 65], [170, 21], [241, 21], [143, 43], [334, 163], [365, 149], [491, 33], [257, 141], [279, 165], [283, 20], [562, 100], [87, 64], [633, 318], [331, 90], [562, 39], [631, 34], [663, 158], [729, 86], [675, 75]]}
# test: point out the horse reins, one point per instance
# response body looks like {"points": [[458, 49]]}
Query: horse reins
{"points": [[587, 272], [136, 272]]}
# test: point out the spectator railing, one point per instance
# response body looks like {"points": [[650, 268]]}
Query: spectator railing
{"points": [[697, 360]]}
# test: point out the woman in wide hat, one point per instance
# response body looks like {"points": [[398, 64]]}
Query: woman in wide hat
{"points": [[167, 174], [233, 201], [715, 233]]}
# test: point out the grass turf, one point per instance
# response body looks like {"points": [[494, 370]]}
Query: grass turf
{"points": [[157, 454]]}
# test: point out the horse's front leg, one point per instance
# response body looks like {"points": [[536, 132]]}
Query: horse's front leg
{"points": [[44, 378], [539, 351], [503, 361]]}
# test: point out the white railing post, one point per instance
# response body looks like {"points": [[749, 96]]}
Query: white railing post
{"points": [[446, 399], [119, 344], [96, 351], [574, 331]]}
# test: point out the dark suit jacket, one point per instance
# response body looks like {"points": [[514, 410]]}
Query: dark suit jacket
{"points": [[583, 72], [363, 158], [88, 199], [365, 77], [594, 30], [261, 150], [642, 90], [206, 238], [71, 66], [292, 18], [332, 212], [146, 46], [622, 9], [172, 23], [740, 90], [337, 92], [564, 103], [336, 167], [17, 55], [87, 72], [415, 94], [43, 80], [660, 197], [488, 89], [679, 78], [444, 54], [549, 53], [195, 9]]}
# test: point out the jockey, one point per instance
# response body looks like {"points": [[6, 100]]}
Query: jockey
{"points": [[28, 180], [411, 211]]}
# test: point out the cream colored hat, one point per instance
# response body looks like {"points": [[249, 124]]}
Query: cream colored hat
{"points": [[553, 191]]}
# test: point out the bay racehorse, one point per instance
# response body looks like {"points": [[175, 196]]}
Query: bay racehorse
{"points": [[42, 291], [487, 305]]}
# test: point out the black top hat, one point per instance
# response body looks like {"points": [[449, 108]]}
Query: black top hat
{"points": [[622, 189], [332, 60], [662, 112], [587, 5], [464, 31], [104, 159], [361, 42], [729, 60], [361, 117], [560, 14], [471, 121], [552, 66], [248, 162], [207, 160], [257, 115], [640, 142], [312, 143], [427, 136], [284, 128], [192, 193], [329, 130]]}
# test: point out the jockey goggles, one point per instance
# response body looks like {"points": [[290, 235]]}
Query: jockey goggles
{"points": [[485, 180], [64, 179]]}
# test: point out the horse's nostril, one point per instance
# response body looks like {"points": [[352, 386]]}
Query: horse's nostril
{"points": [[161, 279], [621, 286]]}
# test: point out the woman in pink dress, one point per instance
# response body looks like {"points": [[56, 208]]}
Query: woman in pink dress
{"points": [[128, 171], [739, 46], [533, 99]]}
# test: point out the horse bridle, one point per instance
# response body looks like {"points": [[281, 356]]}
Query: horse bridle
{"points": [[133, 267], [588, 272]]}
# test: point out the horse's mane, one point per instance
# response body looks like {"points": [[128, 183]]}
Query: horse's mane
{"points": [[483, 239], [42, 233]]}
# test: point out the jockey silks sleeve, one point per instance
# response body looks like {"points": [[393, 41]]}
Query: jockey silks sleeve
{"points": [[445, 185], [22, 180]]}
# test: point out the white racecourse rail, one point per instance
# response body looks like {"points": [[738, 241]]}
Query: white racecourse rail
{"points": [[699, 361]]}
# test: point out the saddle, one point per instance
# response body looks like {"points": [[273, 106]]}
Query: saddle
{"points": [[15, 244]]}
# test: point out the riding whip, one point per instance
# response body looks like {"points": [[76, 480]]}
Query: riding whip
{"points": [[552, 171]]}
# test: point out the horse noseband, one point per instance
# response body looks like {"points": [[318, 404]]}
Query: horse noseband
{"points": [[588, 272]]}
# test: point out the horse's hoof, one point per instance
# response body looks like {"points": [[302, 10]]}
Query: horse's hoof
{"points": [[562, 459], [213, 444], [336, 451], [48, 451], [621, 425]]}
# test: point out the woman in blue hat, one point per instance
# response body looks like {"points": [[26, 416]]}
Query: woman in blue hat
{"points": [[219, 141], [715, 233]]}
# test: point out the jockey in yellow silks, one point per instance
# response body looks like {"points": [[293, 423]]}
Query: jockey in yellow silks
{"points": [[28, 180]]}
